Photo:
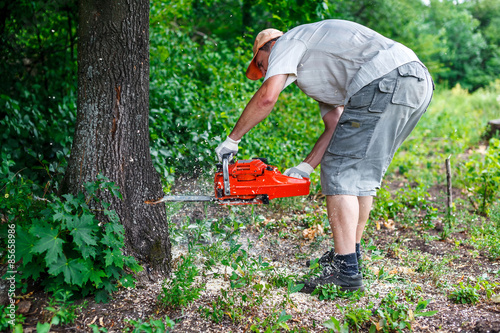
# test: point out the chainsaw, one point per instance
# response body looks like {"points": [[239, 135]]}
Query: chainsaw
{"points": [[245, 182]]}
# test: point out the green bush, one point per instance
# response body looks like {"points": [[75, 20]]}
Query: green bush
{"points": [[486, 235], [61, 245], [465, 293], [389, 205], [482, 177], [181, 290], [153, 326]]}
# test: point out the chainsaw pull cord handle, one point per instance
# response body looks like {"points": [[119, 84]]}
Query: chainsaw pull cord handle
{"points": [[225, 172]]}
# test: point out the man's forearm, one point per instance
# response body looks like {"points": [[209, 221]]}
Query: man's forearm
{"points": [[259, 107], [330, 119]]}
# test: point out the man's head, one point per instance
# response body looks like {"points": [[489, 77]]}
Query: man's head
{"points": [[261, 49]]}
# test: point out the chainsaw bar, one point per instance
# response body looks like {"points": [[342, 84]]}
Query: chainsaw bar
{"points": [[245, 182], [183, 198], [202, 198]]}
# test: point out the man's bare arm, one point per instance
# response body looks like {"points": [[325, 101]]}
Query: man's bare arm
{"points": [[260, 106], [330, 119]]}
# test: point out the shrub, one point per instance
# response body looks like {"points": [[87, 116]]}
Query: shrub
{"points": [[60, 243], [465, 294], [482, 177], [179, 291]]}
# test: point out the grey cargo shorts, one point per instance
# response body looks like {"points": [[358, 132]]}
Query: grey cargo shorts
{"points": [[374, 124]]}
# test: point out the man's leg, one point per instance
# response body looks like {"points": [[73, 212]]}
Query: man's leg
{"points": [[365, 206], [347, 215], [342, 267], [343, 215]]}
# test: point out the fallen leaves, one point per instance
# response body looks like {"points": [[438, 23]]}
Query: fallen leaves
{"points": [[313, 232], [389, 224], [394, 271]]}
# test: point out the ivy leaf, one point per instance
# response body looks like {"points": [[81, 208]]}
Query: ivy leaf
{"points": [[113, 216], [88, 251], [101, 296], [62, 216], [24, 245], [95, 276], [43, 328], [116, 191], [48, 242], [110, 238], [34, 269], [72, 270], [114, 257], [82, 229]]}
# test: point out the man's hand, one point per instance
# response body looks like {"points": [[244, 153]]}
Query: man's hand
{"points": [[303, 170], [229, 146]]}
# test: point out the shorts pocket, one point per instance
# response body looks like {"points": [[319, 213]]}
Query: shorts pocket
{"points": [[411, 85], [353, 134], [383, 96], [363, 97]]}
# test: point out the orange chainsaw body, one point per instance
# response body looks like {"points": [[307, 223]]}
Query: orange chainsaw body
{"points": [[253, 181]]}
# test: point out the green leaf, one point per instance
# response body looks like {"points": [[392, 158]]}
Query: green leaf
{"points": [[113, 216], [82, 229], [42, 328], [421, 305], [426, 314], [283, 317], [116, 192], [295, 288], [34, 268], [88, 251], [95, 276], [72, 270], [334, 324], [101, 296], [128, 281], [114, 257], [24, 244], [18, 328], [48, 242], [111, 239]]}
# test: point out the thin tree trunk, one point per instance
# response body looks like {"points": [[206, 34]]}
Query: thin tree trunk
{"points": [[111, 135]]}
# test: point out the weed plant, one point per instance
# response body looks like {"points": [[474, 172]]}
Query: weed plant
{"points": [[470, 292], [275, 322], [64, 312], [6, 320], [332, 292], [393, 205], [481, 177], [465, 293], [181, 289], [153, 326], [391, 315], [61, 245]]}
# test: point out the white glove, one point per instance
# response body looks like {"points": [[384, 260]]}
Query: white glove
{"points": [[229, 146], [303, 170]]}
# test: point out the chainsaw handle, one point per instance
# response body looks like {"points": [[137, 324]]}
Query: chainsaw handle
{"points": [[225, 172], [228, 157]]}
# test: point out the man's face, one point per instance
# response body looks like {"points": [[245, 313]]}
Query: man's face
{"points": [[262, 61]]}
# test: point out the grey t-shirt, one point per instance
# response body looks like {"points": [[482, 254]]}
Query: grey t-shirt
{"points": [[333, 59]]}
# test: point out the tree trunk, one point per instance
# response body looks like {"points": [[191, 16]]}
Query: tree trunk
{"points": [[111, 135], [493, 129]]}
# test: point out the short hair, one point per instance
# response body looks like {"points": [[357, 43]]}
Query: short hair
{"points": [[266, 47]]}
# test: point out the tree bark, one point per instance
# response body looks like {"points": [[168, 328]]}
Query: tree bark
{"points": [[493, 128], [111, 135]]}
